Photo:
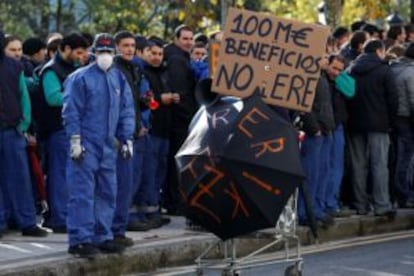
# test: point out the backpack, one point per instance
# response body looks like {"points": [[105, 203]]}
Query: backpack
{"points": [[345, 84]]}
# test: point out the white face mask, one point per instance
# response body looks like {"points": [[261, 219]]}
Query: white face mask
{"points": [[104, 61]]}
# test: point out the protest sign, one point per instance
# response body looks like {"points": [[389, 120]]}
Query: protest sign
{"points": [[213, 55], [278, 58]]}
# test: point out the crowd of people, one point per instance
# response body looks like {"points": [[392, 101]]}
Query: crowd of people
{"points": [[358, 152], [101, 111], [107, 114]]}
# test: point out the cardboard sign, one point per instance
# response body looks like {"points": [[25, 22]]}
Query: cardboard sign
{"points": [[275, 57], [214, 47]]}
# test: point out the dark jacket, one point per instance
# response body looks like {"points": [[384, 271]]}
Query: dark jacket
{"points": [[369, 109], [50, 117], [349, 55], [400, 84], [132, 74], [10, 107], [339, 105], [161, 117], [321, 118], [28, 66], [181, 79]]}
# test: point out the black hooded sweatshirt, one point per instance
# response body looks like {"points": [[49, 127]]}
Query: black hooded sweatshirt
{"points": [[369, 109], [161, 117], [182, 81]]}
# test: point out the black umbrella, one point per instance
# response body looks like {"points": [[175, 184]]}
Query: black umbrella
{"points": [[238, 166]]}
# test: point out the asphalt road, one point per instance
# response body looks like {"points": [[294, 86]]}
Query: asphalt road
{"points": [[383, 255]]}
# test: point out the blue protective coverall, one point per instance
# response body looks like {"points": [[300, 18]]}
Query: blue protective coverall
{"points": [[98, 106]]}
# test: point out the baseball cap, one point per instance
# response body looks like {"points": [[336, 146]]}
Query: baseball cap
{"points": [[103, 42]]}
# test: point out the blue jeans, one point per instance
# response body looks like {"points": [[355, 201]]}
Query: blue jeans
{"points": [[144, 176], [336, 169], [126, 188], [57, 148], [405, 149], [161, 149], [324, 174], [3, 223], [310, 153], [146, 195], [15, 182]]}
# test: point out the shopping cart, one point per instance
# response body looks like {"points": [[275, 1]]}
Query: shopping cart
{"points": [[284, 234]]}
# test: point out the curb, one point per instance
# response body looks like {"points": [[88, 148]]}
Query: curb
{"points": [[150, 255]]}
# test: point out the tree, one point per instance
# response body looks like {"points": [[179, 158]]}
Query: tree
{"points": [[371, 10], [412, 11], [114, 15], [334, 12], [24, 18], [302, 10]]}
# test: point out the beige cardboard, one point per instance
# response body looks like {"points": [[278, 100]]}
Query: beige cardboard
{"points": [[277, 57], [214, 47]]}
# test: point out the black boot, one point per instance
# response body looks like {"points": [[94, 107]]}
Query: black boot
{"points": [[84, 250], [35, 231], [110, 246]]}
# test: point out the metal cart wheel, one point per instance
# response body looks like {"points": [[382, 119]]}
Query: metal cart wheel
{"points": [[295, 269], [230, 272]]}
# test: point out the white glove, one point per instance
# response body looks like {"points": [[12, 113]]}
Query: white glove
{"points": [[76, 149], [127, 149]]}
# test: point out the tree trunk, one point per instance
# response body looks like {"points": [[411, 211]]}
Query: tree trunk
{"points": [[225, 5], [59, 16], [45, 18], [333, 12], [412, 12]]}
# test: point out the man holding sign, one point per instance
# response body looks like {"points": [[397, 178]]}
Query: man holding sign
{"points": [[281, 60]]}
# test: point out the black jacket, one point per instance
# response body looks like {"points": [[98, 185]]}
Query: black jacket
{"points": [[349, 55], [161, 117], [369, 109], [10, 97], [181, 79], [339, 105], [132, 75], [321, 118]]}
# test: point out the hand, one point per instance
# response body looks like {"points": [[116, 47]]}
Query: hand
{"points": [[76, 149], [127, 149], [176, 98], [142, 131], [319, 133], [166, 98], [31, 140]]}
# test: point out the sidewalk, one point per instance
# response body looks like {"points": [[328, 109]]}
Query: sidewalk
{"points": [[167, 246]]}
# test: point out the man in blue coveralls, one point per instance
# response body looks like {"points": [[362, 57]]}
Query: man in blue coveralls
{"points": [[98, 115]]}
